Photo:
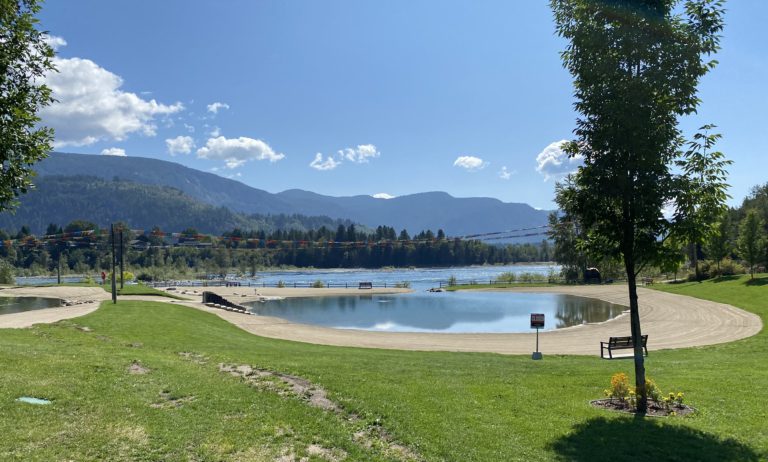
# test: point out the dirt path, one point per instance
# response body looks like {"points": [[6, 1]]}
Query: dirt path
{"points": [[671, 321]]}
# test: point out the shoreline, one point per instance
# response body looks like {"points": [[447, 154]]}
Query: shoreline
{"points": [[670, 320]]}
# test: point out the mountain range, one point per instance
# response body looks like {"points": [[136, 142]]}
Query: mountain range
{"points": [[414, 212]]}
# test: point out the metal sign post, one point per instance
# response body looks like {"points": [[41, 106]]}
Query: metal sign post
{"points": [[537, 322]]}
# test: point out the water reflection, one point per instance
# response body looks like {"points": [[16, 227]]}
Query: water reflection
{"points": [[481, 312], [10, 305]]}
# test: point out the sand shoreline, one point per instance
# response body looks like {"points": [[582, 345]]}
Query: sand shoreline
{"points": [[670, 320]]}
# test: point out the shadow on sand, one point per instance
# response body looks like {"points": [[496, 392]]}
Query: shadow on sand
{"points": [[646, 439]]}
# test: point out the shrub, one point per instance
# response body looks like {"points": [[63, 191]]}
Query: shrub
{"points": [[6, 273], [619, 387], [452, 280], [318, 284], [403, 285], [506, 278], [280, 284]]}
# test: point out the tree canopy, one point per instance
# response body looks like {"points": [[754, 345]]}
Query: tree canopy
{"points": [[636, 65], [25, 58]]}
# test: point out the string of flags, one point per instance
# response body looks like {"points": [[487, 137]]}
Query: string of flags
{"points": [[92, 236]]}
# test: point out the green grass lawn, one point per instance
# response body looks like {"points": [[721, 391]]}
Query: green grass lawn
{"points": [[443, 406], [141, 289]]}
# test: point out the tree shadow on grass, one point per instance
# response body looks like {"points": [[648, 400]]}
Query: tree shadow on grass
{"points": [[646, 439], [732, 277], [757, 281]]}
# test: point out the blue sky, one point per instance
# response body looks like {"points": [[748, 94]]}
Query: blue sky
{"points": [[354, 97]]}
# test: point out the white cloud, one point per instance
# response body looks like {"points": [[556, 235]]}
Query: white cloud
{"points": [[237, 151], [383, 196], [180, 145], [328, 164], [361, 154], [54, 41], [190, 128], [90, 106], [215, 132], [113, 152], [470, 163], [505, 173], [553, 162], [214, 107]]}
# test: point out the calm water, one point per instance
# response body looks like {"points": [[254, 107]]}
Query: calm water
{"points": [[481, 312], [10, 305]]}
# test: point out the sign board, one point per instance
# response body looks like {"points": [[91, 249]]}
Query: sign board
{"points": [[537, 320]]}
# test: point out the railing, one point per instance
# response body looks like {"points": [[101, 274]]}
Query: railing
{"points": [[293, 285], [500, 283]]}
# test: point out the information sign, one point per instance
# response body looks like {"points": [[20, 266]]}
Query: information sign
{"points": [[537, 320]]}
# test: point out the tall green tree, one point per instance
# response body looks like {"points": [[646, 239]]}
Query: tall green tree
{"points": [[636, 65], [702, 198], [751, 240], [25, 58], [719, 245]]}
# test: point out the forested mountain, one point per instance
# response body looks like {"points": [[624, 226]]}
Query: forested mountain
{"points": [[62, 199], [415, 212]]}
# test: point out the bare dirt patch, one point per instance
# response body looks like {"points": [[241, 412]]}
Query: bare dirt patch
{"points": [[169, 401], [655, 408], [136, 368], [371, 436], [196, 358]]}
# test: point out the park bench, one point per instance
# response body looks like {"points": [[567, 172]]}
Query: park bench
{"points": [[647, 281], [365, 285], [620, 343]]}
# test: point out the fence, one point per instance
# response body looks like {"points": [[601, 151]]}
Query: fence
{"points": [[294, 285], [500, 283]]}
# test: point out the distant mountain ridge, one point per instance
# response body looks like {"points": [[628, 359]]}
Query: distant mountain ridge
{"points": [[414, 212], [63, 199]]}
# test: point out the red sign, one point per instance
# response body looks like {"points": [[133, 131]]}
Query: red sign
{"points": [[537, 320]]}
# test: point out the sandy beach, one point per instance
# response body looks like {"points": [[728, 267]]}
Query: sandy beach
{"points": [[671, 321]]}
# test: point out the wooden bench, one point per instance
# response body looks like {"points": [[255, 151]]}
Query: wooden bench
{"points": [[647, 281], [365, 285], [620, 343]]}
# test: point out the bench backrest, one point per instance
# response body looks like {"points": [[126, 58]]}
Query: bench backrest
{"points": [[365, 285], [624, 341]]}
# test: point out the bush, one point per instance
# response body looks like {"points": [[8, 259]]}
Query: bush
{"points": [[403, 285], [318, 284], [619, 387], [6, 273], [531, 277], [506, 278], [280, 284], [452, 280]]}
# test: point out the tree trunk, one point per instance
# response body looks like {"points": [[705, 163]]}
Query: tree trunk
{"points": [[634, 320]]}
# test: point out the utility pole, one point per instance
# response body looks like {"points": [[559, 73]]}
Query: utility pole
{"points": [[121, 257], [114, 288]]}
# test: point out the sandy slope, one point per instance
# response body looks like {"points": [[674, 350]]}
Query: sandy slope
{"points": [[671, 321]]}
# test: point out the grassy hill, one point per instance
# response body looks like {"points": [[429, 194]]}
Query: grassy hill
{"points": [[437, 406]]}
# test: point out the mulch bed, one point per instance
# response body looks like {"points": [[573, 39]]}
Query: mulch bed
{"points": [[655, 408]]}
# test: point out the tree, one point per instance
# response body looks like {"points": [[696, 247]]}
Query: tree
{"points": [[719, 245], [751, 240], [702, 198], [25, 58], [636, 65]]}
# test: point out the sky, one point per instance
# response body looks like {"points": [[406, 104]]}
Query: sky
{"points": [[359, 97]]}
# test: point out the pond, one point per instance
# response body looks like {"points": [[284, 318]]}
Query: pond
{"points": [[9, 305], [452, 312]]}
